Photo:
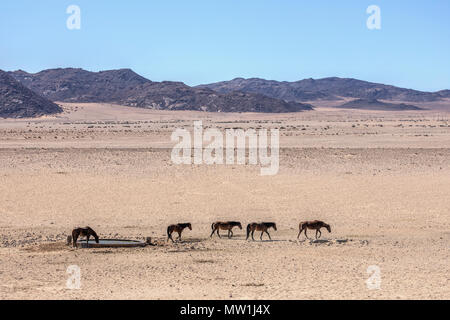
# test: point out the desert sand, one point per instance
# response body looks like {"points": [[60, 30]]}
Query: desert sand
{"points": [[380, 179]]}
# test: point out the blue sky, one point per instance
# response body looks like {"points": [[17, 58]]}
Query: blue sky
{"points": [[202, 41]]}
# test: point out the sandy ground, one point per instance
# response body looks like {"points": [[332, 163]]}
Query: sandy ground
{"points": [[380, 179]]}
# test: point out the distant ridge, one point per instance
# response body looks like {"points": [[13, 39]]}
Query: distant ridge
{"points": [[325, 89], [125, 87], [374, 104], [17, 101]]}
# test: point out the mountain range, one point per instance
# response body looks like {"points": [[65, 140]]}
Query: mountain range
{"points": [[125, 87]]}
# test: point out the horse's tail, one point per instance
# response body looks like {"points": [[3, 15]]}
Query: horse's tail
{"points": [[168, 232], [248, 231], [212, 225]]}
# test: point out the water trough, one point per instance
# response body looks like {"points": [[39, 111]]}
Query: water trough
{"points": [[111, 243]]}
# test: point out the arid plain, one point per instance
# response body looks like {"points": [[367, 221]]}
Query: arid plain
{"points": [[380, 179]]}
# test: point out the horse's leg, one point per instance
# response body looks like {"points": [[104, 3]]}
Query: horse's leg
{"points": [[218, 233], [306, 233], [74, 239], [262, 232], [231, 233], [299, 233], [179, 235], [269, 235], [87, 240], [214, 230], [320, 233], [253, 231]]}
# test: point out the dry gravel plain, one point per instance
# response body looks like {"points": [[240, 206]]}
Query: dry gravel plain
{"points": [[381, 179]]}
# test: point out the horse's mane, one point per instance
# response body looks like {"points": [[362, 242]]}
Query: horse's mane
{"points": [[184, 225], [269, 224]]}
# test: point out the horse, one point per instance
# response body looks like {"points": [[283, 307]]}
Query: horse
{"points": [[177, 228], [314, 225], [84, 232], [216, 226], [263, 227]]}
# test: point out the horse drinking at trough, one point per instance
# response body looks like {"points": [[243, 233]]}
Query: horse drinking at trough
{"points": [[84, 232]]}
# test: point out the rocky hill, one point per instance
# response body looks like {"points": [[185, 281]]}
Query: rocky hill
{"points": [[374, 104], [17, 101]]}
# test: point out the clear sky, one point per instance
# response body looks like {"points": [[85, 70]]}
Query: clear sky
{"points": [[203, 41]]}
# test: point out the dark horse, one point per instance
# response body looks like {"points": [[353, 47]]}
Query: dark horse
{"points": [[229, 225], [177, 228], [84, 232], [263, 227], [313, 225]]}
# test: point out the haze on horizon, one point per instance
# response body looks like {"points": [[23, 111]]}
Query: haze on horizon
{"points": [[203, 42]]}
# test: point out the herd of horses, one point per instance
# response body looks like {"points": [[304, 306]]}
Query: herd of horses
{"points": [[216, 227]]}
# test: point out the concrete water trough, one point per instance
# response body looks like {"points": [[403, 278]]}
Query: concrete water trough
{"points": [[111, 243]]}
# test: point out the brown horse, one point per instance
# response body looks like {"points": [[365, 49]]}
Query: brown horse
{"points": [[313, 225], [177, 228], [84, 232], [263, 227], [229, 225]]}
